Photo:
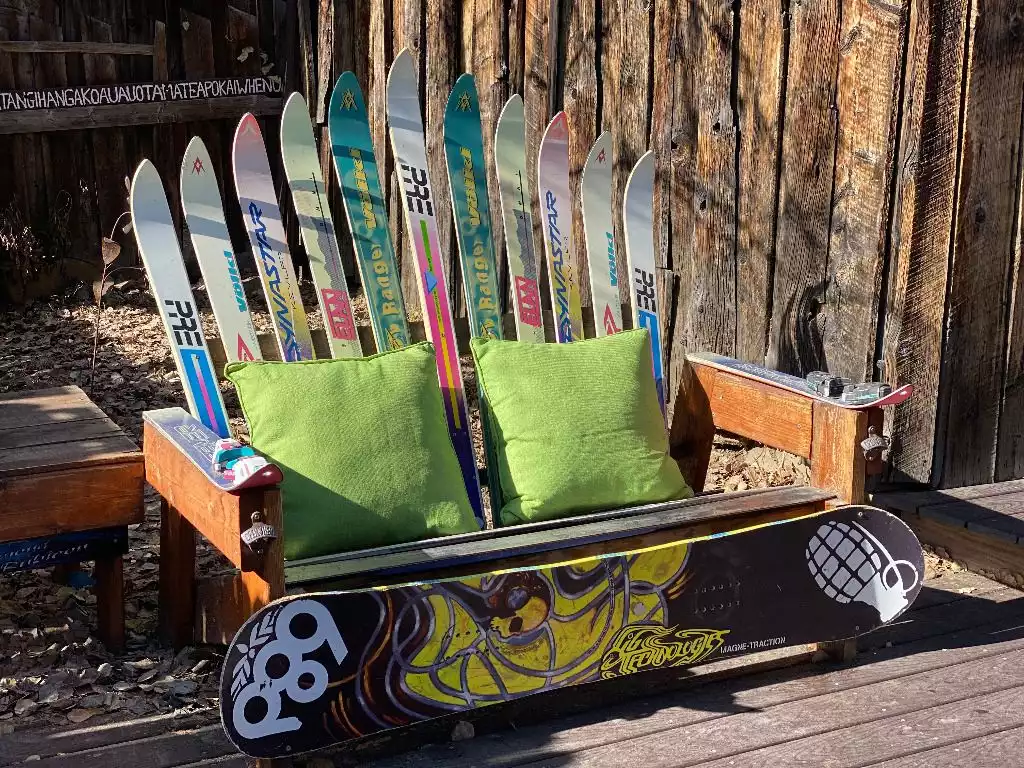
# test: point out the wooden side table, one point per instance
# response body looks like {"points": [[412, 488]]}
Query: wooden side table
{"points": [[70, 485]]}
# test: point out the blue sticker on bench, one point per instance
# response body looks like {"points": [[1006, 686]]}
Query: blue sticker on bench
{"points": [[63, 548]]}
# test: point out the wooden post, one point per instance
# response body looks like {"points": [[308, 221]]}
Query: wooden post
{"points": [[177, 576], [109, 574], [837, 459]]}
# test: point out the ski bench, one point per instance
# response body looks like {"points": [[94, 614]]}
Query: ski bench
{"points": [[70, 485], [212, 608]]}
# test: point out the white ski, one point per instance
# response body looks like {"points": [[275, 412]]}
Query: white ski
{"points": [[516, 199], [309, 196], [596, 196], [161, 255], [256, 195], [637, 215], [407, 139], [556, 218], [204, 214]]}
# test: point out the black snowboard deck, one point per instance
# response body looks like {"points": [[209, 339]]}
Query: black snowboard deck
{"points": [[315, 669]]}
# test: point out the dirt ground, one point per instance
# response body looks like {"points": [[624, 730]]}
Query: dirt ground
{"points": [[52, 670]]}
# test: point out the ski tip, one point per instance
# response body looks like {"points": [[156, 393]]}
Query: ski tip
{"points": [[513, 110], [195, 164], [248, 125], [643, 169], [293, 103], [145, 173], [601, 152], [346, 84], [402, 66], [196, 149], [463, 95], [557, 129]]}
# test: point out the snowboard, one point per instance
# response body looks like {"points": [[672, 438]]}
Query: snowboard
{"points": [[301, 162], [161, 256], [516, 199], [795, 383], [637, 219], [556, 215], [204, 214], [308, 671], [467, 177], [199, 444], [407, 139], [356, 166], [596, 197], [256, 195]]}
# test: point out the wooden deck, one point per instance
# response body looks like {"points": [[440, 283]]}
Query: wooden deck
{"points": [[942, 687], [981, 526]]}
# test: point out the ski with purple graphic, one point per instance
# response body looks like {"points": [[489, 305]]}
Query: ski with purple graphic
{"points": [[637, 217], [256, 195], [161, 255], [516, 196], [204, 214], [405, 122], [309, 196], [596, 196], [556, 224]]}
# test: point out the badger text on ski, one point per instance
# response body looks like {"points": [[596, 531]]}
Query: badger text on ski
{"points": [[754, 645]]}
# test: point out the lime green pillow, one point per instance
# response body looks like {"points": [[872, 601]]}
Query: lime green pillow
{"points": [[364, 448], [575, 427]]}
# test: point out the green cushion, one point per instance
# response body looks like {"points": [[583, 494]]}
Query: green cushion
{"points": [[364, 448], [575, 427]]}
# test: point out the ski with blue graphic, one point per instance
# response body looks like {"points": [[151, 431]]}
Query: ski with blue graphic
{"points": [[407, 138], [262, 216], [596, 196], [309, 197], [556, 223], [516, 199], [637, 214], [356, 166], [161, 255], [467, 177], [204, 214]]}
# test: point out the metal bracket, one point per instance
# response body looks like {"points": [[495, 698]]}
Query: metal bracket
{"points": [[260, 535], [874, 446]]}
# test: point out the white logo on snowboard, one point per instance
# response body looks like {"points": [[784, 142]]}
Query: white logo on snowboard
{"points": [[851, 565], [304, 681]]}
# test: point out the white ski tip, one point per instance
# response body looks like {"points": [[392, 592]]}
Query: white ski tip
{"points": [[602, 145], [293, 102], [195, 147], [403, 65], [643, 170]]}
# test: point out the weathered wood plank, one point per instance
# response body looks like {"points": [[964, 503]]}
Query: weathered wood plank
{"points": [[712, 307], [805, 188], [870, 65], [995, 558], [580, 101], [46, 458], [540, 32], [1010, 448], [833, 722], [975, 359], [59, 46], [759, 103], [837, 460], [57, 432], [325, 61], [625, 82], [992, 750]]}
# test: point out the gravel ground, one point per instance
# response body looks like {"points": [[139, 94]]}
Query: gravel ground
{"points": [[53, 672]]}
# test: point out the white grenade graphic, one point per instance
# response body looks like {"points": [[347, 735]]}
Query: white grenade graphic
{"points": [[851, 565]]}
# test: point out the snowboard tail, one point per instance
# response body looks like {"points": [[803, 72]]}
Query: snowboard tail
{"points": [[316, 669]]}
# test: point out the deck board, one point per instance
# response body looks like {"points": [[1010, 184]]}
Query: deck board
{"points": [[943, 687]]}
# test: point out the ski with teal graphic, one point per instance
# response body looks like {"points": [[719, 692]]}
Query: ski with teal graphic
{"points": [[204, 214], [637, 217], [311, 670], [309, 196], [255, 186], [161, 256], [516, 195], [467, 180], [556, 223], [356, 166], [596, 197], [407, 138]]}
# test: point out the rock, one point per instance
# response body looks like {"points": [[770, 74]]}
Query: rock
{"points": [[80, 715], [146, 677], [25, 707], [105, 670], [92, 700], [201, 667], [183, 687], [463, 731]]}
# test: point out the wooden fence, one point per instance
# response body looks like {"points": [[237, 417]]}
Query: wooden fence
{"points": [[838, 180]]}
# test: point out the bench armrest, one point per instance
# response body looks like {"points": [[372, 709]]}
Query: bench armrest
{"points": [[826, 434], [221, 516]]}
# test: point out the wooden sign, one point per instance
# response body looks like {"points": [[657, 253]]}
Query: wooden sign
{"points": [[63, 548], [138, 93]]}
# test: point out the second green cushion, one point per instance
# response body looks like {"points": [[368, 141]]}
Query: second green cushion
{"points": [[575, 427]]}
